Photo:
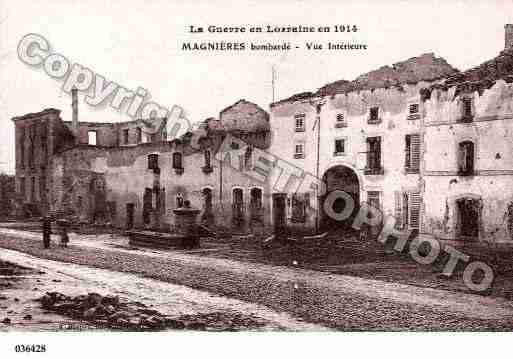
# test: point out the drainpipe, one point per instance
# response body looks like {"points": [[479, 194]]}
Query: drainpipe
{"points": [[318, 106]]}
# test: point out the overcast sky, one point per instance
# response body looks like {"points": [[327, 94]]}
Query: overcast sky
{"points": [[140, 45]]}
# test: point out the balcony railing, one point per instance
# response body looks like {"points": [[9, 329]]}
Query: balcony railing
{"points": [[411, 169], [373, 170], [207, 169], [374, 121]]}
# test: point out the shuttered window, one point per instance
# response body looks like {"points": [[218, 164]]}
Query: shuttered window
{"points": [[412, 153], [373, 155], [414, 206], [299, 150], [341, 121], [299, 121], [407, 210], [398, 210], [467, 108]]}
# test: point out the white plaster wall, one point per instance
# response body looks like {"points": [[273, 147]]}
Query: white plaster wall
{"points": [[492, 134], [394, 110]]}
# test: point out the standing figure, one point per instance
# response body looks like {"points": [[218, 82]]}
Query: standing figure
{"points": [[64, 234], [179, 200], [47, 231]]}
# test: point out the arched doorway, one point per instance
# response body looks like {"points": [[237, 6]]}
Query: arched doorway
{"points": [[468, 216], [339, 178]]}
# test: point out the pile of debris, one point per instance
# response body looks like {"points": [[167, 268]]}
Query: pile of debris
{"points": [[112, 313], [106, 311], [222, 321]]}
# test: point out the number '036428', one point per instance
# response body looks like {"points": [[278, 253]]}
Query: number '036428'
{"points": [[30, 348]]}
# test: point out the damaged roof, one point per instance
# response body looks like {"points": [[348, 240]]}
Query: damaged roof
{"points": [[426, 67], [243, 116], [479, 78]]}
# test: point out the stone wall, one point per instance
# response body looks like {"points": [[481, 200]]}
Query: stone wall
{"points": [[394, 124], [127, 177], [38, 137], [490, 130]]}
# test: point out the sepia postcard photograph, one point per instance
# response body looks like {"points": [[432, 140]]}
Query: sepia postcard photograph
{"points": [[240, 179]]}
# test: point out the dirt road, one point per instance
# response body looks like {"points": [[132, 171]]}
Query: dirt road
{"points": [[72, 279]]}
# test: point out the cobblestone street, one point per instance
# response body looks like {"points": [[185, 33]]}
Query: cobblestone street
{"points": [[171, 299], [337, 301]]}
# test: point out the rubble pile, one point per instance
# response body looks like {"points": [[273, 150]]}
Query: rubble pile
{"points": [[221, 321], [110, 312], [107, 311]]}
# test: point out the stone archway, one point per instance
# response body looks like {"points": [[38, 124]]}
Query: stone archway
{"points": [[345, 179]]}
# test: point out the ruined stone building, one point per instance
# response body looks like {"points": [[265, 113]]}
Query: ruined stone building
{"points": [[361, 136], [131, 174], [420, 140], [467, 167]]}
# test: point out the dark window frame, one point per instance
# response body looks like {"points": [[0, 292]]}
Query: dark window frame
{"points": [[301, 117], [126, 136], [299, 154], [207, 158], [138, 132], [177, 162], [374, 115], [374, 157], [466, 158], [153, 161], [467, 111], [341, 141]]}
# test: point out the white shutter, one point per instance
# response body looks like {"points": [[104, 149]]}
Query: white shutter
{"points": [[398, 209], [415, 151], [414, 208]]}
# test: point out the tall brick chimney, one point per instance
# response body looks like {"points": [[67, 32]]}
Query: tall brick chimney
{"points": [[508, 37], [74, 108]]}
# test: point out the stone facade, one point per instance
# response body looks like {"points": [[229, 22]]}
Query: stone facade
{"points": [[364, 130], [39, 136], [468, 160], [421, 141], [130, 180]]}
